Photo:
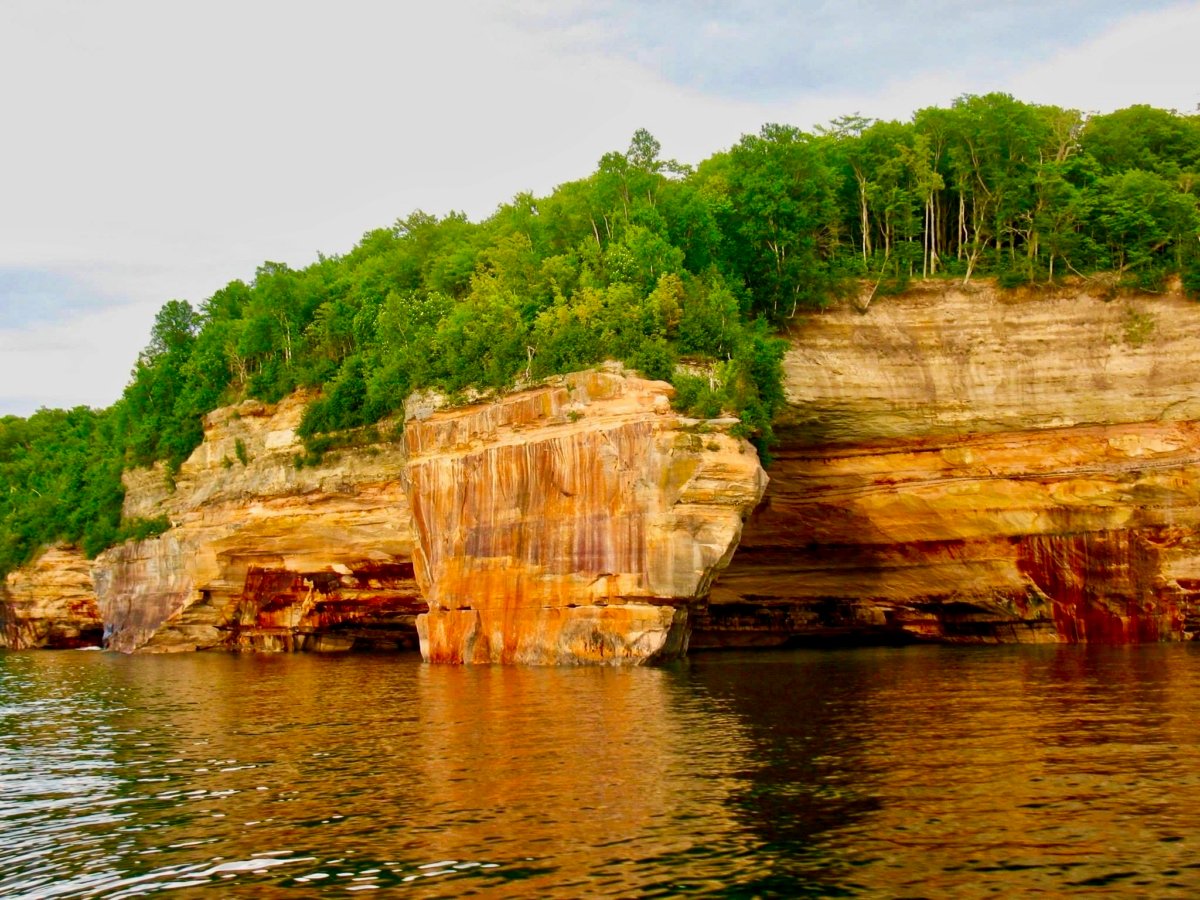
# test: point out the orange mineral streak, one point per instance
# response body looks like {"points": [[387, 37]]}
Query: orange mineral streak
{"points": [[1108, 587], [555, 525]]}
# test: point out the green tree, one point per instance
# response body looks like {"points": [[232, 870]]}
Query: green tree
{"points": [[783, 196]]}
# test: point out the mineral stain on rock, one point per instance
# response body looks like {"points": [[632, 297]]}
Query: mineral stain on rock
{"points": [[374, 607], [50, 603], [265, 555], [1106, 587], [971, 465], [959, 465], [568, 523]]}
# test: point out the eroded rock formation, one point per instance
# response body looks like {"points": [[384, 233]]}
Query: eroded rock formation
{"points": [[264, 554], [956, 464], [50, 604], [574, 522], [972, 465]]}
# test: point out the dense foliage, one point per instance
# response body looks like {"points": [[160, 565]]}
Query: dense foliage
{"points": [[645, 261]]}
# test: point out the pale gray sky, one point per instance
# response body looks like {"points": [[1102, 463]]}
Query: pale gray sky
{"points": [[154, 150]]}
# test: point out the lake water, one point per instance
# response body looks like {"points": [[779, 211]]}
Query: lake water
{"points": [[915, 772]]}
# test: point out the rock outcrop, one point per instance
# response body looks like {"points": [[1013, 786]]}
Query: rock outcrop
{"points": [[971, 465], [579, 521], [50, 604], [264, 553], [573, 523]]}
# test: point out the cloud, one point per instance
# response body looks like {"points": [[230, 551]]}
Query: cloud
{"points": [[73, 361], [34, 295], [775, 50], [1150, 58]]}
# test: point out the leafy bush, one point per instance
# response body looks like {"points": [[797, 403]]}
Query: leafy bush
{"points": [[1012, 278]]}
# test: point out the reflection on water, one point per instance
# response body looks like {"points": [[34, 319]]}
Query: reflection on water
{"points": [[910, 772]]}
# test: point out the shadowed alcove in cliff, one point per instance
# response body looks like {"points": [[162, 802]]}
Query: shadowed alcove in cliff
{"points": [[818, 567], [372, 607]]}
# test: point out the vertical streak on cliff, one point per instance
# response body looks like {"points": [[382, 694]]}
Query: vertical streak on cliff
{"points": [[1105, 587], [571, 523]]}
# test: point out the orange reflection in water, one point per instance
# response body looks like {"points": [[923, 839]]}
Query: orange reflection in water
{"points": [[585, 772]]}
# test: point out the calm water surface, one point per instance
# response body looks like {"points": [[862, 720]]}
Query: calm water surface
{"points": [[919, 772]]}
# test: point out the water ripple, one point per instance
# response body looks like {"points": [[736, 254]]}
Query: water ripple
{"points": [[919, 772]]}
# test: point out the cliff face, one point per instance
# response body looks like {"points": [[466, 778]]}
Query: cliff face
{"points": [[960, 465], [576, 522], [50, 603], [262, 554], [972, 465]]}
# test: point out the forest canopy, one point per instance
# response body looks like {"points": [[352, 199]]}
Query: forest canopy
{"points": [[647, 261]]}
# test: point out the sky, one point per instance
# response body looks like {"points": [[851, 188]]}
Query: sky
{"points": [[154, 149]]}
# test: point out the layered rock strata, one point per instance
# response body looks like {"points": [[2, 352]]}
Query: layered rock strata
{"points": [[970, 465], [575, 522], [264, 553], [955, 464], [50, 604]]}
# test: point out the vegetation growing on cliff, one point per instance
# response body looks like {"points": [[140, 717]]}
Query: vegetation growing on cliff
{"points": [[646, 261], [60, 479]]}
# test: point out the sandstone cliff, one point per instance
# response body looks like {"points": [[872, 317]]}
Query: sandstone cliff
{"points": [[50, 603], [577, 522], [975, 465], [574, 522], [956, 464], [263, 554]]}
